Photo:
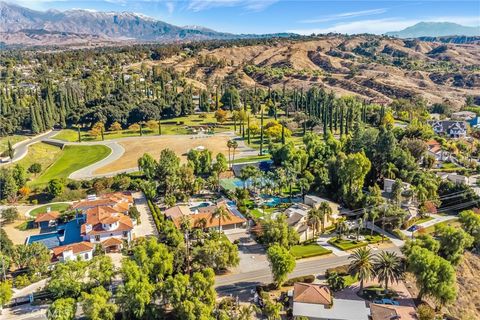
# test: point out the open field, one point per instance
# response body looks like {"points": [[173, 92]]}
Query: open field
{"points": [[13, 139], [72, 159], [135, 148]]}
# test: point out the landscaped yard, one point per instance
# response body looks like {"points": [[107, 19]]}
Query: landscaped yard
{"points": [[53, 207], [308, 250], [349, 244], [72, 159], [424, 219], [252, 159]]}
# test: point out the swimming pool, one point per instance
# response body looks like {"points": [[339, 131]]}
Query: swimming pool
{"points": [[201, 205], [50, 240], [273, 201]]}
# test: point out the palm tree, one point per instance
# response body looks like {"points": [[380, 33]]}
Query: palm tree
{"points": [[221, 214], [229, 145], [388, 267], [373, 216], [314, 219], [325, 213], [389, 171], [247, 312], [341, 226], [361, 265], [234, 147]]}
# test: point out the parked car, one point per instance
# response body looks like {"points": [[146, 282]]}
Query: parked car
{"points": [[386, 301]]}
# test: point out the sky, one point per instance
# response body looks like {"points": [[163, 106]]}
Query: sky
{"points": [[271, 16]]}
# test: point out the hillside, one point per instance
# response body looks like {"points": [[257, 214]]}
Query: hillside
{"points": [[435, 29], [375, 68]]}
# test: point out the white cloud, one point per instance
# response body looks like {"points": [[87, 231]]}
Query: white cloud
{"points": [[170, 7], [380, 26], [254, 5], [346, 15]]}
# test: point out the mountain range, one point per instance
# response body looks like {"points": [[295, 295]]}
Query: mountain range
{"points": [[23, 26], [435, 29]]}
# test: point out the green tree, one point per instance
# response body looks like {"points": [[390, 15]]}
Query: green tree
{"points": [[388, 267], [221, 214], [6, 292], [66, 280], [325, 213], [352, 172], [35, 168], [362, 265], [101, 270], [95, 304], [471, 224], [136, 293], [282, 262], [62, 309], [277, 231], [434, 275], [55, 187], [217, 253], [335, 281], [9, 215], [271, 309], [453, 242]]}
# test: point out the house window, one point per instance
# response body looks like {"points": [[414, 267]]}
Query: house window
{"points": [[86, 256], [125, 234], [97, 238]]}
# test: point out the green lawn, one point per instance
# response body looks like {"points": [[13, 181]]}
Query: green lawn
{"points": [[308, 250], [345, 244], [454, 223], [53, 207], [252, 159], [42, 153], [424, 219], [13, 139], [72, 159]]}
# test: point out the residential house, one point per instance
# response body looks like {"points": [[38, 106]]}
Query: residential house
{"points": [[104, 223], [463, 115], [203, 217], [315, 301], [387, 312], [315, 201], [120, 200], [388, 185], [75, 251], [434, 148], [297, 218], [47, 219], [449, 128]]}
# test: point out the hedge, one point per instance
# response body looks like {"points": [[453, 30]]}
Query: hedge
{"points": [[306, 279]]}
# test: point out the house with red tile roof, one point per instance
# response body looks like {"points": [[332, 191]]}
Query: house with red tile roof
{"points": [[103, 223], [47, 219], [80, 250]]}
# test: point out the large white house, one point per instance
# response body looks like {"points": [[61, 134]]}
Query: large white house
{"points": [[449, 128], [75, 251]]}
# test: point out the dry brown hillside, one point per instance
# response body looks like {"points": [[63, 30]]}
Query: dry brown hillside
{"points": [[376, 68]]}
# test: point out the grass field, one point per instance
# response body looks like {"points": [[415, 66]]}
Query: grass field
{"points": [[252, 159], [135, 148], [308, 250], [13, 139], [72, 159], [345, 244], [42, 153], [53, 207]]}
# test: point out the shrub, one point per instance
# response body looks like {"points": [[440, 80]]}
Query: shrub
{"points": [[73, 185], [341, 270], [305, 279], [21, 281]]}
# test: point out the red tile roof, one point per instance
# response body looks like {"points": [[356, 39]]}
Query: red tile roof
{"points": [[76, 248], [47, 216], [110, 242], [197, 218], [105, 215]]}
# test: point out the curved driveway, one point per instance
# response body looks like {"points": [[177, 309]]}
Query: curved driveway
{"points": [[21, 148]]}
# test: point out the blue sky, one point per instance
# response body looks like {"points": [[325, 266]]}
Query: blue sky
{"points": [[269, 16]]}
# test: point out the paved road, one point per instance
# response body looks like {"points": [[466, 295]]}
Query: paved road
{"points": [[242, 283], [436, 219], [21, 148]]}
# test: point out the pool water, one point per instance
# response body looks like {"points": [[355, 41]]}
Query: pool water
{"points": [[50, 240]]}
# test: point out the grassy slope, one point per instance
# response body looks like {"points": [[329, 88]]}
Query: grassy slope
{"points": [[73, 159], [42, 153]]}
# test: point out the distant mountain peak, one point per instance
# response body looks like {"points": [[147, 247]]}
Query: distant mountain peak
{"points": [[435, 29]]}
